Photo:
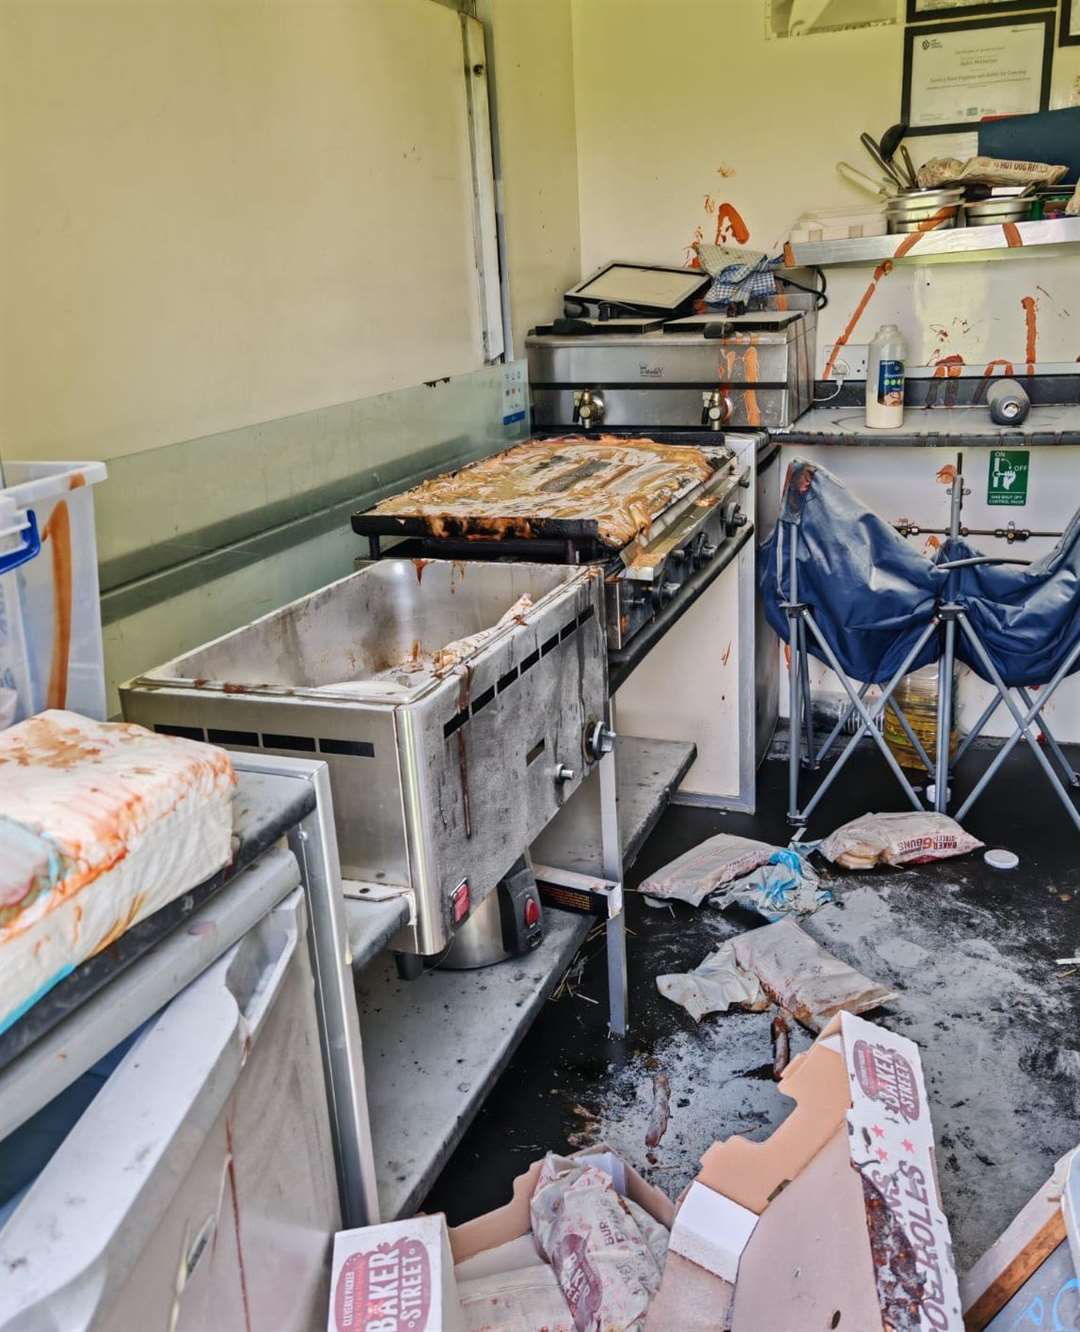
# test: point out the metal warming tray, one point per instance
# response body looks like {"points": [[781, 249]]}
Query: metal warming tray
{"points": [[452, 714]]}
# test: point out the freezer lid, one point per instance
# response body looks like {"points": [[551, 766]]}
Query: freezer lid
{"points": [[78, 1232], [640, 287], [714, 323]]}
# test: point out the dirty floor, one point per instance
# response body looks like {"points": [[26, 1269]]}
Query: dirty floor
{"points": [[971, 951]]}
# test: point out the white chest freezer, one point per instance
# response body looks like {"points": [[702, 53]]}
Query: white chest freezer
{"points": [[197, 1192]]}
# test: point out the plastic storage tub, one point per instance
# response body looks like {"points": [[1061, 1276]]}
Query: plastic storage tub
{"points": [[50, 616]]}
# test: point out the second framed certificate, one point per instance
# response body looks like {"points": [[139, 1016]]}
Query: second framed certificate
{"points": [[955, 74]]}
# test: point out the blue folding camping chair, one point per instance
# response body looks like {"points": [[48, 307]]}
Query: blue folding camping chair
{"points": [[1019, 624], [840, 584]]}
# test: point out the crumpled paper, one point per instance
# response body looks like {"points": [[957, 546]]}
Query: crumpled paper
{"points": [[786, 884], [714, 986]]}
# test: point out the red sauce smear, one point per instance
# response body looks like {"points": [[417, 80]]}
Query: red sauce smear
{"points": [[883, 270], [1031, 325], [753, 411], [730, 226], [58, 531], [234, 1198]]}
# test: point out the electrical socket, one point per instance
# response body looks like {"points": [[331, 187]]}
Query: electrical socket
{"points": [[841, 370]]}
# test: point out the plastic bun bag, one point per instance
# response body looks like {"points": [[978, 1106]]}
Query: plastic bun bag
{"points": [[598, 1245], [910, 838], [708, 866]]}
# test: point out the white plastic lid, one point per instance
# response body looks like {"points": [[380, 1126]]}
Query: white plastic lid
{"points": [[999, 858], [12, 522]]}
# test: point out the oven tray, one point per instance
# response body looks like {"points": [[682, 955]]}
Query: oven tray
{"points": [[604, 489]]}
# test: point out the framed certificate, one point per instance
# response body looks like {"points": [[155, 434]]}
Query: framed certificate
{"points": [[955, 74], [1069, 32], [920, 11]]}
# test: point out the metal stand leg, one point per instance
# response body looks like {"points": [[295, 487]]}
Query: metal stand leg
{"points": [[314, 843], [615, 934], [794, 691]]}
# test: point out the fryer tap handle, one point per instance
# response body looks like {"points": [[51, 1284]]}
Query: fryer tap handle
{"points": [[588, 407]]}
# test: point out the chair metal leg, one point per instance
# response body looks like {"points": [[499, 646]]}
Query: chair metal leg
{"points": [[916, 744], [868, 718], [1023, 723], [1071, 775], [973, 734], [842, 721], [944, 712], [804, 683]]}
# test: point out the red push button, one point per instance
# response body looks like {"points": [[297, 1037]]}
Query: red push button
{"points": [[459, 899]]}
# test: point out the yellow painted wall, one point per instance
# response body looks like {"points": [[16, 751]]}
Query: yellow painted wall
{"points": [[682, 101], [531, 42], [218, 212]]}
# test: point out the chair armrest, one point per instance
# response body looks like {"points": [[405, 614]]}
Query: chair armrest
{"points": [[979, 559]]}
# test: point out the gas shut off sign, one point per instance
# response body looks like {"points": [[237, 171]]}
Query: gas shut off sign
{"points": [[1007, 482]]}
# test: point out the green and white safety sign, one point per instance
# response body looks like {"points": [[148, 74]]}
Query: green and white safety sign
{"points": [[1007, 482]]}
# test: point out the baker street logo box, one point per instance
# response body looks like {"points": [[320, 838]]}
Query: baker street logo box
{"points": [[394, 1278]]}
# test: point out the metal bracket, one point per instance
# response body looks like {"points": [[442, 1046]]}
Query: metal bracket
{"points": [[585, 888], [362, 890]]}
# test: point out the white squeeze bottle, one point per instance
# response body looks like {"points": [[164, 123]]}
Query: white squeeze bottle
{"points": [[885, 379]]}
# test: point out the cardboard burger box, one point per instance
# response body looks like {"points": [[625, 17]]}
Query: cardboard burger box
{"points": [[403, 1276], [835, 1221]]}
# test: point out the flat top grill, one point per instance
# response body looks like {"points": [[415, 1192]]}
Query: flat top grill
{"points": [[602, 489]]}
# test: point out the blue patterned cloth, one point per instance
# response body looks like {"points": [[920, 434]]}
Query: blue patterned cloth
{"points": [[739, 284]]}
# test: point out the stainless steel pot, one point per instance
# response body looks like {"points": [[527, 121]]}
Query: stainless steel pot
{"points": [[993, 212], [913, 209]]}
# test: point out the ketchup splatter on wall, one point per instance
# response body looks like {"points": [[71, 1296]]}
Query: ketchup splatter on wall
{"points": [[1031, 325]]}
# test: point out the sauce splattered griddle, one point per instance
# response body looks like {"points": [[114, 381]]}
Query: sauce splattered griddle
{"points": [[604, 487]]}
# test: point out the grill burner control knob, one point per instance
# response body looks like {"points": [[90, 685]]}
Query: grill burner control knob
{"points": [[599, 740], [734, 518], [564, 774], [589, 407]]}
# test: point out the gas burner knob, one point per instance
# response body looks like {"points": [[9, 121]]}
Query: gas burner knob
{"points": [[599, 740], [704, 550], [734, 518], [588, 408], [664, 594]]}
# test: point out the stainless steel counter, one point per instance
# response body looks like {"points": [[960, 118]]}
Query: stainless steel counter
{"points": [[935, 427]]}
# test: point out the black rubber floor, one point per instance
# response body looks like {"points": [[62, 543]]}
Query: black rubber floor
{"points": [[971, 949]]}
